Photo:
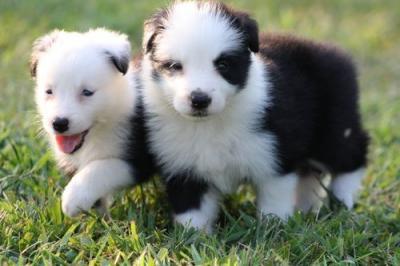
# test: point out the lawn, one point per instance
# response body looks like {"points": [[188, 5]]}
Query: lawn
{"points": [[33, 229]]}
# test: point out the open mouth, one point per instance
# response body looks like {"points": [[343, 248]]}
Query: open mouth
{"points": [[72, 143]]}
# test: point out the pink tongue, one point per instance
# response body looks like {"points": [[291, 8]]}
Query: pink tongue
{"points": [[68, 143]]}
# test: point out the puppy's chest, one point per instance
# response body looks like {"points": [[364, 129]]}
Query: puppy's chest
{"points": [[218, 154]]}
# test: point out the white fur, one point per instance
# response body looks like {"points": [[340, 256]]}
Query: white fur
{"points": [[346, 186], [68, 62], [204, 217], [277, 195]]}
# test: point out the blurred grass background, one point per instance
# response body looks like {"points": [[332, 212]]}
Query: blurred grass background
{"points": [[33, 230]]}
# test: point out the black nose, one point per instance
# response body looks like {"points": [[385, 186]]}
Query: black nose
{"points": [[200, 100], [60, 124]]}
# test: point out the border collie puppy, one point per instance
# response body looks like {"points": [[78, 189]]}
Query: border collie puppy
{"points": [[86, 99], [224, 105]]}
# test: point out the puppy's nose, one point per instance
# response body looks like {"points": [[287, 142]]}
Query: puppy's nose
{"points": [[60, 124], [200, 100]]}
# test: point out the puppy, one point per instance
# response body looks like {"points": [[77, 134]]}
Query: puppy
{"points": [[224, 105], [87, 102]]}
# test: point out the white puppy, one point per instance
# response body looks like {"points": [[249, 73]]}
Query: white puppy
{"points": [[86, 98]]}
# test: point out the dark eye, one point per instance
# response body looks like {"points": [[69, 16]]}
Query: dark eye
{"points": [[222, 65], [87, 93], [172, 66], [49, 91]]}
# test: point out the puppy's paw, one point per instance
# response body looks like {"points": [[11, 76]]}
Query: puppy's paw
{"points": [[281, 212], [76, 199], [195, 219]]}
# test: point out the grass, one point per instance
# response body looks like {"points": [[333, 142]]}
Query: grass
{"points": [[33, 229]]}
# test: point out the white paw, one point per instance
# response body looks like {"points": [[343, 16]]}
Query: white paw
{"points": [[195, 219], [76, 199], [277, 196], [346, 186], [283, 213]]}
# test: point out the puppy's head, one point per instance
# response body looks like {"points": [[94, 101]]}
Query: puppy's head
{"points": [[199, 54], [79, 78]]}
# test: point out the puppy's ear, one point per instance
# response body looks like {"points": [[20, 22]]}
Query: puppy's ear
{"points": [[40, 46], [120, 54], [149, 35], [249, 27], [116, 47], [121, 63], [152, 27]]}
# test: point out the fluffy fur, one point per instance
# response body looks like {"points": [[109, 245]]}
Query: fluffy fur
{"points": [[83, 78], [223, 104]]}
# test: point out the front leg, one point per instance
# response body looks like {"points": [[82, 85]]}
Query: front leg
{"points": [[277, 195], [194, 203], [96, 181]]}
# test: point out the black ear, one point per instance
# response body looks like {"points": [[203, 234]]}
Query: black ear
{"points": [[152, 27], [149, 37], [249, 27], [40, 46], [120, 63], [148, 45]]}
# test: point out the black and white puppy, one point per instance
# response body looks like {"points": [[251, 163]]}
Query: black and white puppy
{"points": [[225, 105], [86, 98]]}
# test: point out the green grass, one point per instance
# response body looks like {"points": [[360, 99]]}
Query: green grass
{"points": [[33, 229]]}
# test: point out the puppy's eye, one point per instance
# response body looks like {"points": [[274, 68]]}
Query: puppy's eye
{"points": [[222, 65], [49, 91], [172, 66], [87, 93]]}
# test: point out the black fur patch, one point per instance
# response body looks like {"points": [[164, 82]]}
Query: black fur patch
{"points": [[137, 151], [185, 192], [314, 96], [236, 68], [245, 24]]}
